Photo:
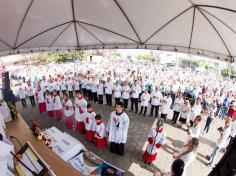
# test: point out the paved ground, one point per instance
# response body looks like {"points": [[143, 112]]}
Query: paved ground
{"points": [[136, 143]]}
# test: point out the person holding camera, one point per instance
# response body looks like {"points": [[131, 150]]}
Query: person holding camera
{"points": [[224, 135]]}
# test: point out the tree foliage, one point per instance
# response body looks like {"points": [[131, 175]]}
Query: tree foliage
{"points": [[145, 56], [63, 56], [115, 53], [225, 72], [196, 63]]}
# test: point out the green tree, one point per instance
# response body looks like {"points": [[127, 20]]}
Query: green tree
{"points": [[62, 56], [207, 66], [196, 64], [225, 72], [145, 56], [115, 53]]}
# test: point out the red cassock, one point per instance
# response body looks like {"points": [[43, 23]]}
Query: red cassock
{"points": [[50, 114], [155, 141], [58, 114], [81, 127], [100, 135], [42, 107], [149, 158], [101, 143], [232, 113], [70, 121], [90, 135]]}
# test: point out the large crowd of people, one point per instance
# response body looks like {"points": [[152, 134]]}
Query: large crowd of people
{"points": [[65, 90]]}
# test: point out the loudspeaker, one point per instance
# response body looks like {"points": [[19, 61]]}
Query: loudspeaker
{"points": [[5, 80], [8, 96]]}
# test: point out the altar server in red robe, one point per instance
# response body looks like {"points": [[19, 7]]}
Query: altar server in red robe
{"points": [[68, 111], [49, 103], [57, 106], [100, 132], [80, 108], [89, 122], [41, 100], [156, 138]]}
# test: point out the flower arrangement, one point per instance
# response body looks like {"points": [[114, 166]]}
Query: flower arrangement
{"points": [[39, 134], [13, 110]]}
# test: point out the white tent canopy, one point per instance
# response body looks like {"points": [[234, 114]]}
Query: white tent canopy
{"points": [[202, 27]]}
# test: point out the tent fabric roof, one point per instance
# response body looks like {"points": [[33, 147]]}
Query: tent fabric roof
{"points": [[202, 27]]}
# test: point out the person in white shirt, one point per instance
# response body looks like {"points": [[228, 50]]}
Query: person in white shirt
{"points": [[68, 111], [57, 106], [41, 100], [22, 97], [135, 90], [30, 93], [100, 92], [2, 126], [188, 153], [88, 89], [80, 108], [49, 103], [195, 130], [156, 97], [69, 87], [195, 111], [211, 116], [56, 86], [84, 85], [156, 139], [63, 86], [177, 169], [117, 89], [177, 107], [94, 89], [221, 142], [185, 113], [125, 94], [145, 98], [6, 159], [165, 106], [100, 132], [118, 129], [108, 91]]}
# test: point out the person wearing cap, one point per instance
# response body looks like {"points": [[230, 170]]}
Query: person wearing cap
{"points": [[156, 139], [165, 105], [145, 98], [221, 142]]}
